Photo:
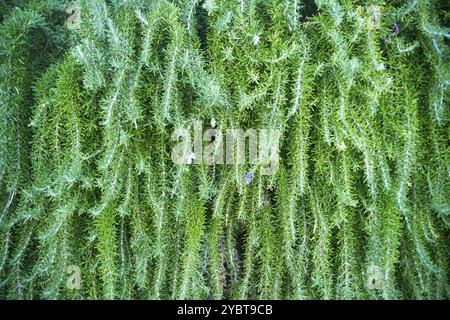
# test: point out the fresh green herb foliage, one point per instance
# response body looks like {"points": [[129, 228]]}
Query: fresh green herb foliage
{"points": [[358, 89]]}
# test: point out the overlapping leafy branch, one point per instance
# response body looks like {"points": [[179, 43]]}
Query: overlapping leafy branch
{"points": [[358, 89]]}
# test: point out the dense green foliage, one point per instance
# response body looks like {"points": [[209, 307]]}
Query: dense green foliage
{"points": [[358, 89]]}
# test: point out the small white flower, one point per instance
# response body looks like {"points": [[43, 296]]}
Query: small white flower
{"points": [[213, 122], [190, 158], [256, 40]]}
